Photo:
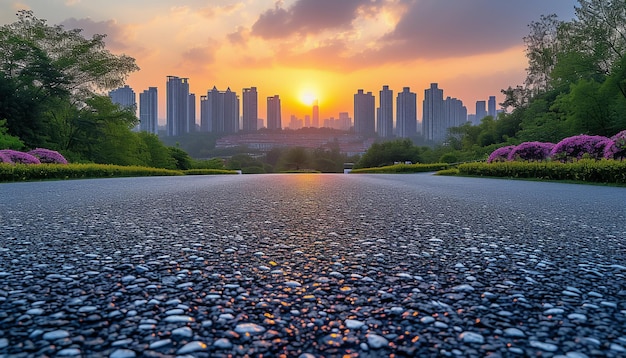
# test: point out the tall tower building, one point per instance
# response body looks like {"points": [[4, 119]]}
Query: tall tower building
{"points": [[179, 112], [433, 121], [384, 125], [273, 113], [364, 113], [250, 109], [148, 111], [219, 112], [491, 107], [316, 115], [191, 117], [481, 111], [455, 112], [124, 97], [406, 113]]}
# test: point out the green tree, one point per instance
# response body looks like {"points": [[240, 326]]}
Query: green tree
{"points": [[295, 159], [8, 141], [45, 66], [387, 153], [181, 158], [159, 154]]}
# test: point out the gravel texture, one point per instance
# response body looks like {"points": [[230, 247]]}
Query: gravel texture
{"points": [[312, 266]]}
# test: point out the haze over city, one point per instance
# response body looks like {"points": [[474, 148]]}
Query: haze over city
{"points": [[312, 49]]}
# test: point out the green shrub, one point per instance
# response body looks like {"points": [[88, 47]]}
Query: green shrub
{"points": [[208, 171], [403, 168], [23, 172], [587, 170], [448, 172]]}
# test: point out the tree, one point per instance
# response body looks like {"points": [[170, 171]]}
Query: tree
{"points": [[43, 66], [542, 48], [8, 141], [387, 153]]}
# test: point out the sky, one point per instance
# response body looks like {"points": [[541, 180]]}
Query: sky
{"points": [[305, 49]]}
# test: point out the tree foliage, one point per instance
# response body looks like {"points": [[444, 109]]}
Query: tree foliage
{"points": [[51, 85], [387, 153]]}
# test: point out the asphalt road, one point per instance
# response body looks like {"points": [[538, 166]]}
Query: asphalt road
{"points": [[312, 265]]}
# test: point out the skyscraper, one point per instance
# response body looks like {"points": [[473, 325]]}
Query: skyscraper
{"points": [[433, 121], [124, 97], [455, 112], [148, 111], [364, 113], [316, 115], [406, 113], [219, 112], [384, 125], [491, 107], [191, 117], [481, 111], [250, 109], [273, 113], [180, 115]]}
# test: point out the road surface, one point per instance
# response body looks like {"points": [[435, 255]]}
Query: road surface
{"points": [[312, 266]]}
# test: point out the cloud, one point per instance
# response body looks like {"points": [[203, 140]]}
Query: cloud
{"points": [[199, 58], [309, 17], [116, 34], [239, 37], [212, 12], [449, 28], [427, 30]]}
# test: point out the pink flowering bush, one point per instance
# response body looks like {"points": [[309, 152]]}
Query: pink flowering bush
{"points": [[5, 158], [531, 151], [20, 157], [574, 148], [48, 156], [616, 149], [500, 154]]}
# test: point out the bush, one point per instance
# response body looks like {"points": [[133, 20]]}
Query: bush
{"points": [[20, 157], [402, 168], [577, 147], [448, 172], [48, 156], [531, 151], [586, 170], [500, 154], [5, 158], [208, 171], [616, 149], [23, 172]]}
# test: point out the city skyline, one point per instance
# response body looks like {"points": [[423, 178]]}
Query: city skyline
{"points": [[311, 49]]}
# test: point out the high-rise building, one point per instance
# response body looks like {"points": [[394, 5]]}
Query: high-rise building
{"points": [[364, 113], [491, 107], [481, 111], [250, 109], [180, 106], [433, 121], [406, 113], [273, 113], [124, 97], [455, 112], [384, 124], [316, 115], [148, 111], [219, 112]]}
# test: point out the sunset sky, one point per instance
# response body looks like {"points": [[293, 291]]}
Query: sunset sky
{"points": [[312, 48]]}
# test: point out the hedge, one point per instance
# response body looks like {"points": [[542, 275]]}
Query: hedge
{"points": [[403, 168], [587, 170], [25, 172]]}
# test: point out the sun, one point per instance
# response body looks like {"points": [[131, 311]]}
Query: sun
{"points": [[307, 98]]}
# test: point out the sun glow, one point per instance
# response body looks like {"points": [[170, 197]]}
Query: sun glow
{"points": [[307, 98]]}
